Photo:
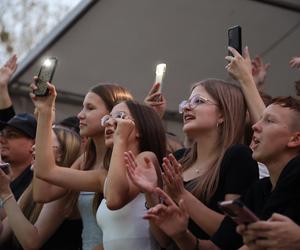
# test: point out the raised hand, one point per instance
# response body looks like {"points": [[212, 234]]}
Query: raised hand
{"points": [[259, 70], [239, 67], [172, 177], [44, 103], [170, 218], [144, 177], [124, 129], [7, 70], [295, 62], [156, 100]]}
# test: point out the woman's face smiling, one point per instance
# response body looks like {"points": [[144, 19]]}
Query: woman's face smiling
{"points": [[93, 110]]}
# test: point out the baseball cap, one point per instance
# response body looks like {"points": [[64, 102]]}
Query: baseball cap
{"points": [[23, 122]]}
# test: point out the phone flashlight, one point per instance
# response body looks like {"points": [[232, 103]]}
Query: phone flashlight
{"points": [[160, 73], [47, 62]]}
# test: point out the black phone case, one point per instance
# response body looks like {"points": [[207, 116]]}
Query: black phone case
{"points": [[5, 167], [45, 75], [235, 38]]}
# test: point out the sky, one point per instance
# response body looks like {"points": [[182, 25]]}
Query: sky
{"points": [[28, 22]]}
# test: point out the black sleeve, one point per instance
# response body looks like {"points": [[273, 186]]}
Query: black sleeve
{"points": [[226, 238], [178, 154], [7, 114], [238, 170]]}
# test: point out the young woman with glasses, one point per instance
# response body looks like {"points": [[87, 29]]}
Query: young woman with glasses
{"points": [[217, 167]]}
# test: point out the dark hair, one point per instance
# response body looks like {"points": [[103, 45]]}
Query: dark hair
{"points": [[150, 127], [287, 102], [71, 122], [111, 94], [292, 104]]}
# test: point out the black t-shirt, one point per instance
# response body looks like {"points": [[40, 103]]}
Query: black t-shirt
{"points": [[19, 184], [238, 171], [66, 237], [284, 199]]}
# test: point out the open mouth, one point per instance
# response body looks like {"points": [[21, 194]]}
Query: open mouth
{"points": [[255, 142], [188, 117], [108, 132]]}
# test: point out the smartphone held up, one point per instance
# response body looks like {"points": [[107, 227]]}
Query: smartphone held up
{"points": [[45, 75], [235, 38], [160, 74]]}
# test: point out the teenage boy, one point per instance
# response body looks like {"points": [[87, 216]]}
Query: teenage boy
{"points": [[276, 142]]}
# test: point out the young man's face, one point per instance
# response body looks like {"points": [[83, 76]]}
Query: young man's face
{"points": [[272, 133]]}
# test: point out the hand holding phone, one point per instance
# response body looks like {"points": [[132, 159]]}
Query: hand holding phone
{"points": [[45, 75], [235, 38], [238, 212], [5, 167]]}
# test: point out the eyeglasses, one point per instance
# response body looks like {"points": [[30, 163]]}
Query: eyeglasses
{"points": [[193, 102], [11, 134], [119, 115]]}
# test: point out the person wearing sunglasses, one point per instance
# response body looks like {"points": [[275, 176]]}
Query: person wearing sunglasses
{"points": [[217, 166]]}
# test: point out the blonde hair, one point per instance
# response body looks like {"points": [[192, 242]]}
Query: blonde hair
{"points": [[231, 104], [69, 148]]}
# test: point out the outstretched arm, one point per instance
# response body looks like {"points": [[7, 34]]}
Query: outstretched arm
{"points": [[239, 67], [45, 166]]}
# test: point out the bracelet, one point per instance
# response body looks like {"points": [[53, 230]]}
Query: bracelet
{"points": [[6, 199]]}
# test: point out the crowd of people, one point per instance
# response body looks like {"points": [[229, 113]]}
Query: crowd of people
{"points": [[113, 178]]}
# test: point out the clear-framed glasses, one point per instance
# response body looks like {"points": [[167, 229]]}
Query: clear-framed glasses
{"points": [[193, 102], [106, 118]]}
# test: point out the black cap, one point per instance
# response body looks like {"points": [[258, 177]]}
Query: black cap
{"points": [[71, 122], [23, 122]]}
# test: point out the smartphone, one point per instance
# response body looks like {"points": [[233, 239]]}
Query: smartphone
{"points": [[235, 38], [5, 167], [160, 71], [238, 212], [45, 75]]}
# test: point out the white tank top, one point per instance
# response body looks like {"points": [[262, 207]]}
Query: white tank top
{"points": [[125, 228]]}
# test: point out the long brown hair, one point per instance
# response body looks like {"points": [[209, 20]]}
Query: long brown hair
{"points": [[111, 94], [231, 104], [151, 131], [69, 149]]}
